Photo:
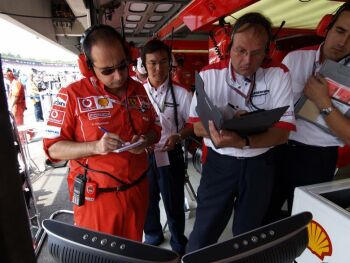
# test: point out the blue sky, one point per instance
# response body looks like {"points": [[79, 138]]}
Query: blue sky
{"points": [[19, 41]]}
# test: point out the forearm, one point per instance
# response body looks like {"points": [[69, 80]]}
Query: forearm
{"points": [[186, 132], [151, 137], [272, 137], [69, 150], [339, 124], [14, 101], [199, 130]]}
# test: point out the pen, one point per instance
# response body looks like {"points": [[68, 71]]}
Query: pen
{"points": [[232, 106], [103, 129]]}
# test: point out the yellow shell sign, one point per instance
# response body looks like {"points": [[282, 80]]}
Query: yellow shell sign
{"points": [[319, 241], [103, 101]]}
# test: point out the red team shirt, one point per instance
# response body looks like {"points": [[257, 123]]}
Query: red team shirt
{"points": [[76, 114]]}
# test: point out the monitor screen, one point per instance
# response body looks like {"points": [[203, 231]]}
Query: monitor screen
{"points": [[279, 242], [68, 243]]}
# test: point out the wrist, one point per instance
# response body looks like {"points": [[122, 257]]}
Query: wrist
{"points": [[145, 139], [326, 111], [246, 143], [179, 137], [325, 104]]}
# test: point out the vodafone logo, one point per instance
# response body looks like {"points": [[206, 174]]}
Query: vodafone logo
{"points": [[87, 104], [319, 242], [93, 103], [57, 116]]}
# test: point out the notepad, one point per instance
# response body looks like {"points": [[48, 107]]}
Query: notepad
{"points": [[247, 124]]}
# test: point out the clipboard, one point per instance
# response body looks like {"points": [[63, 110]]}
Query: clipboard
{"points": [[247, 124], [337, 76]]}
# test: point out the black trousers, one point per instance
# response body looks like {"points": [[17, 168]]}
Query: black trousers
{"points": [[298, 165], [228, 182], [169, 182]]}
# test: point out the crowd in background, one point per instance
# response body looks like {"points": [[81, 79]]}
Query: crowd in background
{"points": [[40, 86]]}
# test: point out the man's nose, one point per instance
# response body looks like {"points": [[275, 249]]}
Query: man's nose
{"points": [[247, 58], [345, 40], [117, 74]]}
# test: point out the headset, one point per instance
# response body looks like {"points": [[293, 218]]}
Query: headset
{"points": [[87, 40], [253, 19], [341, 9]]}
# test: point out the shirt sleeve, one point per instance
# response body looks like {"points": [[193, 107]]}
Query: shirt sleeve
{"points": [[16, 88], [186, 105], [61, 122], [282, 96], [193, 113]]}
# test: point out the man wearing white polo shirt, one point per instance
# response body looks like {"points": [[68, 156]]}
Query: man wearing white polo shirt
{"points": [[311, 154], [166, 174], [239, 172]]}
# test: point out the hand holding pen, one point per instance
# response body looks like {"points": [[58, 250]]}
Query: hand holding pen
{"points": [[108, 142]]}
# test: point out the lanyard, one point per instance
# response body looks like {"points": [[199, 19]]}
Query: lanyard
{"points": [[160, 107], [234, 87]]}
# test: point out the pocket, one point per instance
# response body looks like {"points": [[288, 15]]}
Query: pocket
{"points": [[259, 99]]}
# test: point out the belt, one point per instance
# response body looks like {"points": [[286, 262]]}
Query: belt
{"points": [[296, 143], [122, 187]]}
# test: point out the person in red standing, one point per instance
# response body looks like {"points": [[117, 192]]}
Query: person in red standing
{"points": [[16, 98], [89, 120]]}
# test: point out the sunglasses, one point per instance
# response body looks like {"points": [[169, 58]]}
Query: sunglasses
{"points": [[108, 71]]}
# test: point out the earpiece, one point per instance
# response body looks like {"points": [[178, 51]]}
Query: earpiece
{"points": [[83, 45], [341, 9], [86, 39]]}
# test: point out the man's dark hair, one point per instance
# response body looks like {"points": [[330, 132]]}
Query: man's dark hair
{"points": [[340, 10], [251, 20], [98, 33], [152, 46], [8, 70]]}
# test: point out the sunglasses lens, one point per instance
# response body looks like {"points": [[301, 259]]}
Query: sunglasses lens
{"points": [[107, 72], [122, 66]]}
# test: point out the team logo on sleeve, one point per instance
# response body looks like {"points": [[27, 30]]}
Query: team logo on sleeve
{"points": [[52, 132], [56, 116], [94, 103], [61, 100]]}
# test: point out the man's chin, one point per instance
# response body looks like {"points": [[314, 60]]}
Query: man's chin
{"points": [[246, 72], [117, 85]]}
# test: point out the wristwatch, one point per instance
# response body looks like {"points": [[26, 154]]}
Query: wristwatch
{"points": [[247, 143], [326, 111]]}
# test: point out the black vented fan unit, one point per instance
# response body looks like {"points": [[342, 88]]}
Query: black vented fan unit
{"points": [[71, 244]]}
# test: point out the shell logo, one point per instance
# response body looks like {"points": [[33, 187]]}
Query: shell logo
{"points": [[319, 241], [103, 101]]}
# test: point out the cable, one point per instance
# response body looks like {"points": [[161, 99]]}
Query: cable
{"points": [[39, 17], [216, 48]]}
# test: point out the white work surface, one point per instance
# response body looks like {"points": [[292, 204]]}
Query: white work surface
{"points": [[329, 239]]}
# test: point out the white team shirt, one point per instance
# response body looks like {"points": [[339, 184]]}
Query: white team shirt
{"points": [[272, 90], [163, 104], [302, 64]]}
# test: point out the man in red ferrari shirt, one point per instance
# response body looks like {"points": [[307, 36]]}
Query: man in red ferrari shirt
{"points": [[94, 116]]}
